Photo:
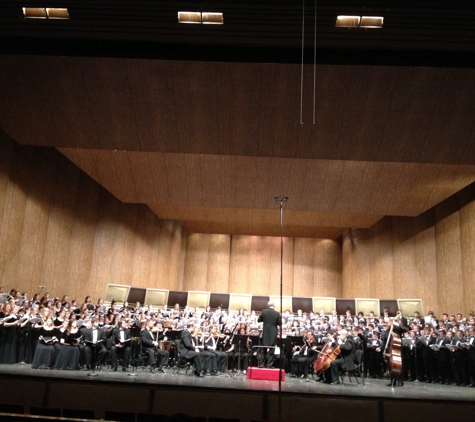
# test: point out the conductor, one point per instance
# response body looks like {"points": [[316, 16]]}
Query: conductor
{"points": [[271, 319]]}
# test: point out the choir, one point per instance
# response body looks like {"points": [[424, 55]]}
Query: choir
{"points": [[54, 333]]}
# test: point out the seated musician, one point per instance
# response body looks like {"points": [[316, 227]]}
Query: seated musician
{"points": [[187, 349], [150, 341], [304, 357], [345, 361], [213, 344], [208, 358], [121, 341], [94, 339]]}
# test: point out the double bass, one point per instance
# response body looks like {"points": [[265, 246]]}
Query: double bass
{"points": [[393, 353], [326, 357]]}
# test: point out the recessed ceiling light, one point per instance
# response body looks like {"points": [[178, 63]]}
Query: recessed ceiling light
{"points": [[45, 13], [189, 17], [57, 13], [371, 22], [34, 12], [347, 21], [212, 18]]}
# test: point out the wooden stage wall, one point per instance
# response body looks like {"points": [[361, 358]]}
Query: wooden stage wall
{"points": [[60, 229]]}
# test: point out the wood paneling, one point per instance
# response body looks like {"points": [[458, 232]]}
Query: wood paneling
{"points": [[415, 258], [234, 194], [60, 229]]}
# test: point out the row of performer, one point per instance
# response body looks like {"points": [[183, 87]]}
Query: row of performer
{"points": [[434, 356]]}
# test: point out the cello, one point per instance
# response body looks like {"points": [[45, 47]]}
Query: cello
{"points": [[326, 357]]}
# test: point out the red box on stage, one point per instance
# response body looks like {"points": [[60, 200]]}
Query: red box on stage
{"points": [[264, 374]]}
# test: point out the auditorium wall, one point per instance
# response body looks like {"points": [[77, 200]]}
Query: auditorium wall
{"points": [[430, 257], [60, 229]]}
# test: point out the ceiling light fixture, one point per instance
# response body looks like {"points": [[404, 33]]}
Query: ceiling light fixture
{"points": [[209, 18], [212, 18], [359, 21], [189, 17], [45, 13]]}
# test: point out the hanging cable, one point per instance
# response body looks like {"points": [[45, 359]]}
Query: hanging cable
{"points": [[314, 61], [301, 70]]}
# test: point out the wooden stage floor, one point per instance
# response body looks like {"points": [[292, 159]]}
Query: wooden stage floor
{"points": [[248, 399]]}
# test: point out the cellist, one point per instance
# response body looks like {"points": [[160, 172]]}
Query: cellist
{"points": [[346, 359]]}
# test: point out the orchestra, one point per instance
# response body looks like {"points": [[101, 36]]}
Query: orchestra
{"points": [[48, 332]]}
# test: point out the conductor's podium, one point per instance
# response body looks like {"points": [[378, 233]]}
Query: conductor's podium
{"points": [[271, 374]]}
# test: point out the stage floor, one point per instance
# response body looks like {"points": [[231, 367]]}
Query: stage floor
{"points": [[373, 388]]}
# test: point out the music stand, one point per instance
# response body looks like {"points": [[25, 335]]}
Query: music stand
{"points": [[238, 339], [94, 353], [134, 334]]}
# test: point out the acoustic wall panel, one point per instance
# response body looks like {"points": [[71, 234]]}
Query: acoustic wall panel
{"points": [[327, 304], [238, 301], [156, 297], [175, 296], [259, 303], [409, 306], [116, 292], [219, 299], [286, 303], [198, 299], [366, 306], [136, 295]]}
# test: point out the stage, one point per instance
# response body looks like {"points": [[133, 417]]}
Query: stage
{"points": [[232, 395]]}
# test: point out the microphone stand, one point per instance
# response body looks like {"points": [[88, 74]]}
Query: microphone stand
{"points": [[239, 358], [133, 352], [94, 353]]}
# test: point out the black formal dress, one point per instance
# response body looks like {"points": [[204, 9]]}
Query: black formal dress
{"points": [[67, 351], [45, 350]]}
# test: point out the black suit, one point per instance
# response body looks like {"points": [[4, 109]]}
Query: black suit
{"points": [[187, 350], [98, 349], [302, 361], [271, 319], [123, 352], [148, 338], [346, 359]]}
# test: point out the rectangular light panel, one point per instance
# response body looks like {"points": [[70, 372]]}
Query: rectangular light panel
{"points": [[371, 22], [189, 17], [212, 18], [347, 21], [34, 12], [57, 13]]}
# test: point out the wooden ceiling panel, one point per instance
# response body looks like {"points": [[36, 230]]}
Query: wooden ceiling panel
{"points": [[364, 113], [262, 222], [326, 189], [215, 142]]}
